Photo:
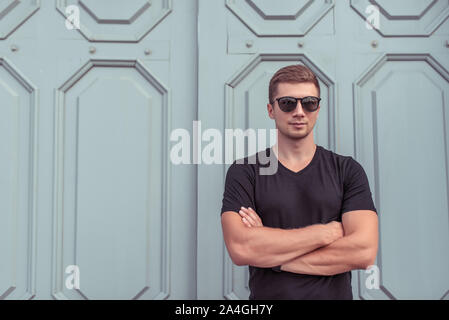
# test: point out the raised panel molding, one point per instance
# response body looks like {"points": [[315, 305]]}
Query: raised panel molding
{"points": [[405, 18], [289, 10], [14, 13], [404, 9], [115, 14], [18, 142], [149, 277], [269, 18], [246, 95], [121, 21], [374, 122]]}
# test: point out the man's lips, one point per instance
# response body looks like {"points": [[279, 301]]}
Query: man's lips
{"points": [[297, 123]]}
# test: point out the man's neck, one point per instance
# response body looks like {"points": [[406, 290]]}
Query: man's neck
{"points": [[295, 151]]}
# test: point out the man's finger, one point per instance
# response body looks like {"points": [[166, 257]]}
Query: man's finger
{"points": [[246, 223], [255, 220], [247, 217], [253, 214], [252, 211], [252, 217]]}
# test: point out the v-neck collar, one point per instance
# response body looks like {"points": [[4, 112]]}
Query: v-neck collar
{"points": [[300, 172]]}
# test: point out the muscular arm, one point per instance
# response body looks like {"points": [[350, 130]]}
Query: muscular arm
{"points": [[268, 247], [356, 250]]}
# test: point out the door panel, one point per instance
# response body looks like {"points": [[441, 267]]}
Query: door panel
{"points": [[384, 100], [111, 179], [113, 20], [401, 119], [284, 18], [248, 62], [246, 97], [88, 179], [18, 115], [405, 18]]}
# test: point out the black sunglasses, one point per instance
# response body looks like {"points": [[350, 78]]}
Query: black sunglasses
{"points": [[288, 104]]}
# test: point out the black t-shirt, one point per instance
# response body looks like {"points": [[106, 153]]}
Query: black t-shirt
{"points": [[327, 187]]}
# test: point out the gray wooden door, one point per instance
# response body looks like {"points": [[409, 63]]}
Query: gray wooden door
{"points": [[385, 93], [85, 122]]}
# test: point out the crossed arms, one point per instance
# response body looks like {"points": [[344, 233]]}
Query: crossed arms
{"points": [[320, 249]]}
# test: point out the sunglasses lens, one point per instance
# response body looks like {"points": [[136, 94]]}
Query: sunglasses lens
{"points": [[310, 103], [287, 104]]}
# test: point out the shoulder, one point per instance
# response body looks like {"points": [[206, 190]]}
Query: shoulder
{"points": [[340, 160], [249, 166], [345, 165], [243, 166]]}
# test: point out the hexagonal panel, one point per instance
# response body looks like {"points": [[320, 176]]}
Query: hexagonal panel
{"points": [[245, 107], [113, 11], [9, 131], [115, 20], [286, 9], [105, 250], [405, 18], [281, 18], [112, 183], [18, 118], [14, 13], [390, 129]]}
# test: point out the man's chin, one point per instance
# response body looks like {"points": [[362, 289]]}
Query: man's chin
{"points": [[294, 134], [297, 135]]}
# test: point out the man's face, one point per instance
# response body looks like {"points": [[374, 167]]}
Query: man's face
{"points": [[285, 121]]}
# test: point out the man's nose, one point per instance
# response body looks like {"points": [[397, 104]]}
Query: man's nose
{"points": [[298, 110]]}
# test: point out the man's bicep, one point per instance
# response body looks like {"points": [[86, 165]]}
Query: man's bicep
{"points": [[363, 224], [233, 234]]}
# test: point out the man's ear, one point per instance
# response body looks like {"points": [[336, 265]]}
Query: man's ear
{"points": [[270, 110]]}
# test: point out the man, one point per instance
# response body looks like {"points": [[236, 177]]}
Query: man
{"points": [[302, 229]]}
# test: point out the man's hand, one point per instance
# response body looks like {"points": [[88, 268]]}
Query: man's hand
{"points": [[334, 230], [250, 218]]}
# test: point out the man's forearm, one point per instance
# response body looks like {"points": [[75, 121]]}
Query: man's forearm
{"points": [[268, 247], [343, 255]]}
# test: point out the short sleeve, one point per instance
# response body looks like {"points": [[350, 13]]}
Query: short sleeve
{"points": [[357, 193], [239, 188]]}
